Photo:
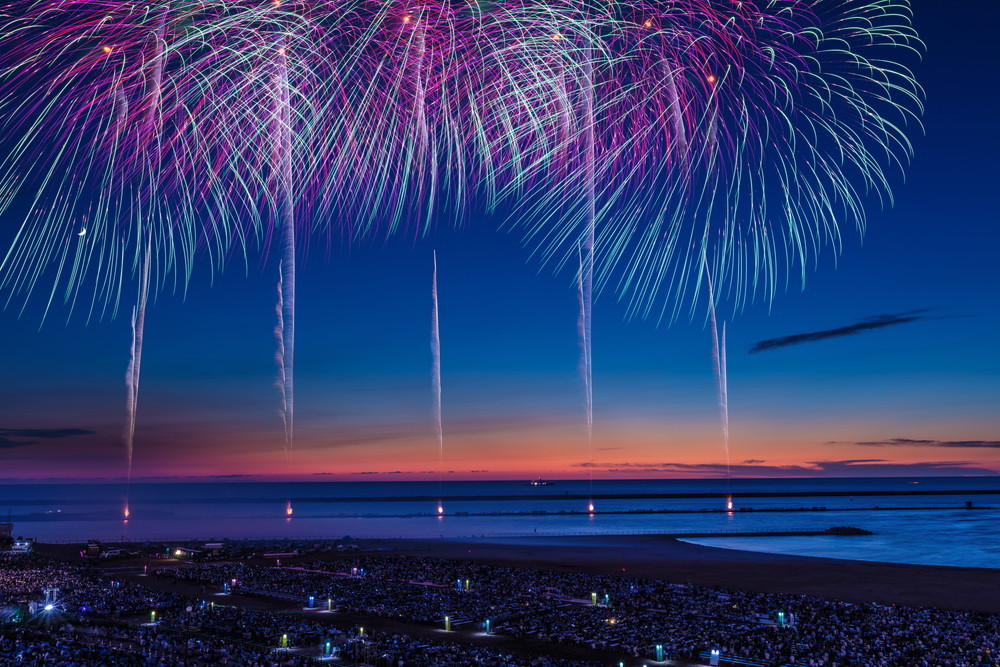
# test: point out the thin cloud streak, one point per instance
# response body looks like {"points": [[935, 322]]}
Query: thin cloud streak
{"points": [[7, 435], [865, 324], [847, 467], [911, 442]]}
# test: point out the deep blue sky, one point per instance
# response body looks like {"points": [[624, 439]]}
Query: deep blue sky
{"points": [[511, 390]]}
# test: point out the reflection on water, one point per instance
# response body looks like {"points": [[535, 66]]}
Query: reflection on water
{"points": [[207, 511]]}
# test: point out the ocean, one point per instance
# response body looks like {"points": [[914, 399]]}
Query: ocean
{"points": [[922, 526]]}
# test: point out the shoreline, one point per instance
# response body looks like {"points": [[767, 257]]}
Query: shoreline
{"points": [[667, 558], [657, 556]]}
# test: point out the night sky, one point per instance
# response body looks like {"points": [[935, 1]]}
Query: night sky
{"points": [[912, 387]]}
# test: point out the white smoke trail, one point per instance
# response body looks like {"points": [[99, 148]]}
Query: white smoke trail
{"points": [[279, 356], [285, 202], [587, 259], [436, 380], [286, 212], [719, 366], [583, 328], [132, 373]]}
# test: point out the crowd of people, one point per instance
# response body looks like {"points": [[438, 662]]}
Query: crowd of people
{"points": [[76, 614], [643, 618], [88, 645], [98, 620], [78, 588]]}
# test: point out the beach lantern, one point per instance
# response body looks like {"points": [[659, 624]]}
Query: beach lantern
{"points": [[354, 571], [361, 631], [211, 606], [466, 584], [781, 618], [659, 653], [312, 601], [327, 651], [152, 616], [593, 599], [607, 599], [458, 584], [714, 657], [329, 604], [487, 626], [284, 641], [447, 623], [225, 587]]}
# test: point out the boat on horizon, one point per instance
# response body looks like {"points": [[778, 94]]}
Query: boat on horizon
{"points": [[540, 482]]}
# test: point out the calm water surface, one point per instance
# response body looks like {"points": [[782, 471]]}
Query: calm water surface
{"points": [[216, 510]]}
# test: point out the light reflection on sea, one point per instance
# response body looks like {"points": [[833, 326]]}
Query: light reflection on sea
{"points": [[253, 510], [958, 538]]}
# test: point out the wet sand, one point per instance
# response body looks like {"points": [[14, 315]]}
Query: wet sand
{"points": [[669, 559]]}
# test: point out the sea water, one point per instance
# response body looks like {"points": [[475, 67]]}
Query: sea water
{"points": [[932, 529]]}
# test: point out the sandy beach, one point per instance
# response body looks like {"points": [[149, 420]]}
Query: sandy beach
{"points": [[669, 559], [646, 556], [673, 560]]}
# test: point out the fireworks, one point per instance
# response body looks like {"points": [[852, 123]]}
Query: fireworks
{"points": [[744, 133], [658, 133]]}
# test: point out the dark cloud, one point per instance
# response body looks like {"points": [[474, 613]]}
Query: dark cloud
{"points": [[910, 442], [847, 467], [753, 461], [47, 433], [7, 435], [7, 443], [865, 324]]}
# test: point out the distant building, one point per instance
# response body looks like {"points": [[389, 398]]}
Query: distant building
{"points": [[214, 548], [186, 553]]}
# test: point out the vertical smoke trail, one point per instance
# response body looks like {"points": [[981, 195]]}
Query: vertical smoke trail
{"points": [[436, 379], [279, 356], [584, 332], [132, 373], [154, 83], [587, 268], [286, 216], [285, 203], [722, 383]]}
